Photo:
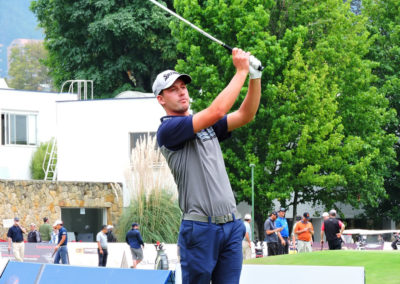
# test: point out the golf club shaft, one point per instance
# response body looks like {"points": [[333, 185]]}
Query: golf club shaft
{"points": [[260, 67]]}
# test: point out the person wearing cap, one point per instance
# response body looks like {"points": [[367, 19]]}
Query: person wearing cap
{"points": [[246, 243], [61, 250], [304, 230], [102, 246], [15, 236], [33, 235], [325, 216], [110, 235], [135, 242], [45, 230], [333, 229], [271, 234], [281, 222], [191, 146]]}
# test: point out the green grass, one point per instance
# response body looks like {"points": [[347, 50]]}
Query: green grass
{"points": [[380, 266]]}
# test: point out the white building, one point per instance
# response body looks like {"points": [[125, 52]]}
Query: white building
{"points": [[27, 119], [94, 137]]}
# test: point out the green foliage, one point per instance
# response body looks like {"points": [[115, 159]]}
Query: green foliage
{"points": [[27, 70], [111, 42], [158, 215], [384, 26], [37, 162]]}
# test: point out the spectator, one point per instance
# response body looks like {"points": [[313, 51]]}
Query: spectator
{"points": [[33, 235], [102, 246], [304, 231], [333, 229], [325, 216], [45, 230], [61, 248], [281, 222], [271, 237], [134, 240], [110, 235], [15, 236], [246, 243], [396, 240]]}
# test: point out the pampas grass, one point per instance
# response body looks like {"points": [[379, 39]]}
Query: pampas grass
{"points": [[153, 194]]}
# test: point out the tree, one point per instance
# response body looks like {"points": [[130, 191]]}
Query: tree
{"points": [[320, 129], [120, 45], [384, 26], [27, 69]]}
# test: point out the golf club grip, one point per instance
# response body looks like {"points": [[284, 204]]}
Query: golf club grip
{"points": [[259, 68]]}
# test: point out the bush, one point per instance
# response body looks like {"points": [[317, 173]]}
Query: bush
{"points": [[158, 215], [37, 161], [153, 196]]}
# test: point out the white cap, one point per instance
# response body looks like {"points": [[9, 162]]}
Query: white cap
{"points": [[166, 78], [325, 214], [58, 222], [247, 217], [110, 227]]}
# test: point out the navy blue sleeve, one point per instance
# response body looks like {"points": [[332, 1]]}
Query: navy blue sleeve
{"points": [[140, 239], [9, 233], [175, 131], [221, 129]]}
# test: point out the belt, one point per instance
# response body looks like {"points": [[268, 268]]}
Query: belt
{"points": [[210, 219]]}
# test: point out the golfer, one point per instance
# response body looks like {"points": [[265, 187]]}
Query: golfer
{"points": [[210, 237]]}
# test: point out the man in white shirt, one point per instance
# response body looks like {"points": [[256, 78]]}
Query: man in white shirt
{"points": [[246, 243]]}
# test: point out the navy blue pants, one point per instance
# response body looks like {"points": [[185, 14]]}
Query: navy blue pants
{"points": [[211, 252]]}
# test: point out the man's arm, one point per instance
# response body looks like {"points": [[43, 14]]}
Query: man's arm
{"points": [[341, 230], [225, 100], [248, 108]]}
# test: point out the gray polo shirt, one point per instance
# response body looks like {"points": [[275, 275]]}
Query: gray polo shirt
{"points": [[270, 225], [197, 164], [102, 238]]}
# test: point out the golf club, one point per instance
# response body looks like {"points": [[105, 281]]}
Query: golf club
{"points": [[258, 66]]}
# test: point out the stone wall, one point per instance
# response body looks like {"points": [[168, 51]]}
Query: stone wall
{"points": [[32, 200]]}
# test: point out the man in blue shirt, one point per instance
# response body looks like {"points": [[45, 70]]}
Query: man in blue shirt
{"points": [[210, 237], [61, 250], [134, 240], [15, 236], [281, 222]]}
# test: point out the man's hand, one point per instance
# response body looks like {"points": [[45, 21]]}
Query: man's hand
{"points": [[322, 241], [283, 242], [338, 235], [101, 251], [9, 249], [254, 72], [240, 60], [56, 248]]}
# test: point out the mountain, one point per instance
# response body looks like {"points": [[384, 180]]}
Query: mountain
{"points": [[16, 21]]}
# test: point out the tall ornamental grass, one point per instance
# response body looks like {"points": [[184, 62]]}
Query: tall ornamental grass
{"points": [[153, 194]]}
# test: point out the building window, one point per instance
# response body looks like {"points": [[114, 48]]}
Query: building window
{"points": [[18, 128]]}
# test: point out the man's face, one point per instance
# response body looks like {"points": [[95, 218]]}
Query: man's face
{"points": [[273, 217], [281, 214], [175, 99], [32, 228]]}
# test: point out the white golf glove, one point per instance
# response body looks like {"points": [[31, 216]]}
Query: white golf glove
{"points": [[254, 72]]}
